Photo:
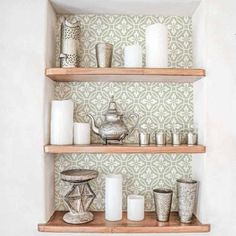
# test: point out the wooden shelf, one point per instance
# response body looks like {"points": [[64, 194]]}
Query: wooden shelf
{"points": [[131, 148], [100, 225], [119, 74]]}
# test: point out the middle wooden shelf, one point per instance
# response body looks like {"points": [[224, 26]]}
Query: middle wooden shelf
{"points": [[126, 148]]}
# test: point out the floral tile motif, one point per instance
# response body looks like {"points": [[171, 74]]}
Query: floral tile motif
{"points": [[159, 105], [141, 174], [123, 30]]}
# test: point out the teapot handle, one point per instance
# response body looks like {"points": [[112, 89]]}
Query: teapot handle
{"points": [[134, 126]]}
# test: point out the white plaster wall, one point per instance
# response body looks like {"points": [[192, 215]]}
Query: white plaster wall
{"points": [[25, 197], [215, 50], [26, 176]]}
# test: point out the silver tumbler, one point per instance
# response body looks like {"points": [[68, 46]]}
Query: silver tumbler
{"points": [[192, 138], [169, 137], [160, 138], [70, 33], [163, 200], [144, 139], [184, 138], [186, 193], [104, 54], [177, 136]]}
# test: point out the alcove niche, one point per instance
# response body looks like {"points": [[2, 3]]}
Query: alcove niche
{"points": [[157, 101]]}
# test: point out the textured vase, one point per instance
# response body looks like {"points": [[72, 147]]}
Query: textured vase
{"points": [[70, 33], [163, 200], [186, 193]]}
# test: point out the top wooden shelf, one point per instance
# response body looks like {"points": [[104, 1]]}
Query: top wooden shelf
{"points": [[119, 74]]}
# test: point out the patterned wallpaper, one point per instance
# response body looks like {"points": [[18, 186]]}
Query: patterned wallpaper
{"points": [[158, 105]]}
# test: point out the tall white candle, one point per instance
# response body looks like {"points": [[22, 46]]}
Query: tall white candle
{"points": [[135, 207], [156, 42], [113, 197], [81, 133], [133, 56], [61, 122]]}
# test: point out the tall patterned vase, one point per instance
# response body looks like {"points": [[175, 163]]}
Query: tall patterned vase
{"points": [[186, 193], [70, 33]]}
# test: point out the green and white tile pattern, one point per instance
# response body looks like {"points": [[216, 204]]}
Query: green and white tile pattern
{"points": [[123, 30], [158, 105]]}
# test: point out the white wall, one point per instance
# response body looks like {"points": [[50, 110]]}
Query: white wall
{"points": [[215, 50], [26, 176], [23, 101]]}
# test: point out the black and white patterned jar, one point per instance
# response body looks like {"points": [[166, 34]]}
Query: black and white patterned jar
{"points": [[70, 34]]}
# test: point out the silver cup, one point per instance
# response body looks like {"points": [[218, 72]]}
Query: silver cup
{"points": [[144, 139], [184, 138], [160, 138], [177, 137], [169, 137], [104, 54], [162, 199], [192, 138], [186, 193]]}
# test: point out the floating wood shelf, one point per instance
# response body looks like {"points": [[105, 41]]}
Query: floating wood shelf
{"points": [[100, 225], [126, 148], [119, 74]]}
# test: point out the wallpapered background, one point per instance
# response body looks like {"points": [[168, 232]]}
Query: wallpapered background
{"points": [[159, 105]]}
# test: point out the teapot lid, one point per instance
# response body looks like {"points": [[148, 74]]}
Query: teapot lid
{"points": [[112, 107]]}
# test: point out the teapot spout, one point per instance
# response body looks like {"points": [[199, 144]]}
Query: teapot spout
{"points": [[94, 127]]}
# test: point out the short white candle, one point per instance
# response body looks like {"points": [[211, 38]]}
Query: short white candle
{"points": [[81, 133], [156, 41], [61, 122], [133, 56], [113, 197], [135, 207]]}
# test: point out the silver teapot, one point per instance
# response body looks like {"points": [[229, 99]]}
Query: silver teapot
{"points": [[113, 129]]}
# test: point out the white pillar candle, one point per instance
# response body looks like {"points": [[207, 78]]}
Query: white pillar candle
{"points": [[133, 56], [81, 133], [135, 207], [113, 197], [61, 122], [156, 41]]}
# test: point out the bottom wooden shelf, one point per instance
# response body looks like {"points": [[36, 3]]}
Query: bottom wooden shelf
{"points": [[100, 225]]}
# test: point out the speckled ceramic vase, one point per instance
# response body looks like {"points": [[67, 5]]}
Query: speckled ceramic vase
{"points": [[186, 193]]}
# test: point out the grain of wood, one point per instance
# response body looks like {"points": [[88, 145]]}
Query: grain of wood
{"points": [[119, 74], [127, 148], [100, 225]]}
